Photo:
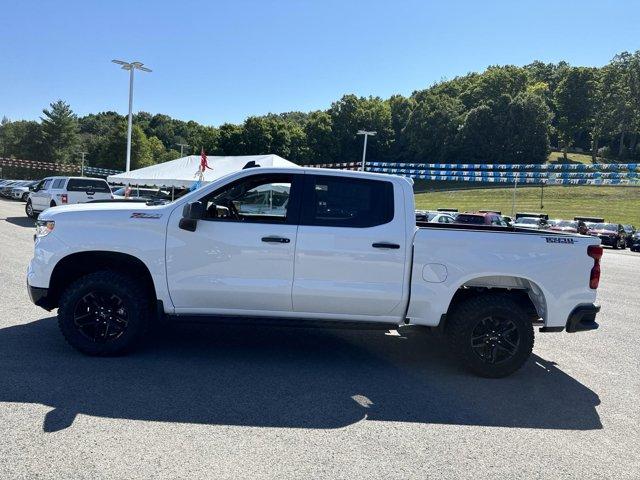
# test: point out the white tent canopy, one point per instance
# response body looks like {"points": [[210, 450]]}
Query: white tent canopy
{"points": [[182, 172]]}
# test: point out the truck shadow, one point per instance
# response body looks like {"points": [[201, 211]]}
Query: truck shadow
{"points": [[20, 221], [271, 377]]}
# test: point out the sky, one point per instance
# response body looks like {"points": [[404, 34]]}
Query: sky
{"points": [[222, 61]]}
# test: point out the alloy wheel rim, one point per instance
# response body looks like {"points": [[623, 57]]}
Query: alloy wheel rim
{"points": [[495, 339], [101, 316]]}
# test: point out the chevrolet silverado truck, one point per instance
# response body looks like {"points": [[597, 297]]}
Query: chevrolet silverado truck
{"points": [[310, 246]]}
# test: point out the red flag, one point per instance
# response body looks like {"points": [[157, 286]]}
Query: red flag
{"points": [[203, 161]]}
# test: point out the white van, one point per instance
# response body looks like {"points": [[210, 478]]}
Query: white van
{"points": [[54, 191]]}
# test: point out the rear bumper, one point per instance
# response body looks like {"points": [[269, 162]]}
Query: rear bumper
{"points": [[583, 318]]}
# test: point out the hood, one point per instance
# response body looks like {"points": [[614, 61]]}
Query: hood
{"points": [[106, 209]]}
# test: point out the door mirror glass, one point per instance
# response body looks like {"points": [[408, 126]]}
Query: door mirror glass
{"points": [[193, 211]]}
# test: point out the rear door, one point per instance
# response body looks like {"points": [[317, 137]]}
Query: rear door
{"points": [[351, 249], [57, 191]]}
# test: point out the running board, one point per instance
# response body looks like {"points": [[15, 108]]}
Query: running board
{"points": [[281, 322]]}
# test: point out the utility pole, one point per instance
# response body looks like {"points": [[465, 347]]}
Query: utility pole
{"points": [[364, 148], [130, 66], [513, 202], [82, 164], [542, 195], [182, 147]]}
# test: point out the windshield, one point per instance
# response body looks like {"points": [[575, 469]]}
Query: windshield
{"points": [[606, 226], [88, 185], [567, 223], [528, 220], [472, 219]]}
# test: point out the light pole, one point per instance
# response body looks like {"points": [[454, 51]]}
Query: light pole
{"points": [[82, 164], [131, 66], [364, 148], [182, 147]]}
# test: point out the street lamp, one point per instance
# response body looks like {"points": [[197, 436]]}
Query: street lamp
{"points": [[182, 147], [131, 66], [364, 149]]}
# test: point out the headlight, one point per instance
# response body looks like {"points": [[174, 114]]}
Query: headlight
{"points": [[44, 227]]}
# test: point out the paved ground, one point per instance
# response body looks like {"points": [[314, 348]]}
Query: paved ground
{"points": [[236, 402]]}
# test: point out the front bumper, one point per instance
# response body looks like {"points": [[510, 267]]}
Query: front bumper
{"points": [[40, 297], [583, 318]]}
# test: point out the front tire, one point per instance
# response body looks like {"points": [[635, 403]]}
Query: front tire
{"points": [[491, 335], [28, 208], [104, 313]]}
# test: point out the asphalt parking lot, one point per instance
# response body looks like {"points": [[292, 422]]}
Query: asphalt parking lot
{"points": [[238, 402]]}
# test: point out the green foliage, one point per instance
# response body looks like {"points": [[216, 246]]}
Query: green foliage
{"points": [[60, 132]]}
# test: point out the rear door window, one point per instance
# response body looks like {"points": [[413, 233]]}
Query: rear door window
{"points": [[346, 202], [88, 185], [58, 183]]}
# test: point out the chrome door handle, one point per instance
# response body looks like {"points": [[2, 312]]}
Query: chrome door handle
{"points": [[275, 239], [392, 246]]}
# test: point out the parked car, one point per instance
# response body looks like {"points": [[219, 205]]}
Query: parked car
{"points": [[442, 218], [5, 188], [142, 194], [629, 231], [531, 222], [635, 242], [358, 258], [22, 192], [570, 226], [611, 234], [487, 218], [54, 191]]}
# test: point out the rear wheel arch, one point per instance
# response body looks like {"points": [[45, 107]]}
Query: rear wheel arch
{"points": [[77, 265], [524, 291]]}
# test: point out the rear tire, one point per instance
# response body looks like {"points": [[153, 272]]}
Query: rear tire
{"points": [[491, 335], [104, 313]]}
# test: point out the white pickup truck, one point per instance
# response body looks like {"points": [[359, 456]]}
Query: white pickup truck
{"points": [[315, 246]]}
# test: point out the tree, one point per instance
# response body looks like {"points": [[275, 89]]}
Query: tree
{"points": [[60, 131], [574, 102], [431, 128], [321, 142], [527, 129]]}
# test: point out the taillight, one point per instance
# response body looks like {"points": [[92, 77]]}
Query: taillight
{"points": [[595, 252], [64, 198]]}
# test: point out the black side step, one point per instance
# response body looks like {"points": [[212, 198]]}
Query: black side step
{"points": [[281, 322]]}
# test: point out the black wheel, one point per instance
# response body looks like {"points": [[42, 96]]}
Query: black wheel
{"points": [[28, 208], [25, 197], [491, 335], [52, 204], [104, 313]]}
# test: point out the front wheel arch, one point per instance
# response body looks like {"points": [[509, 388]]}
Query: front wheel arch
{"points": [[79, 264]]}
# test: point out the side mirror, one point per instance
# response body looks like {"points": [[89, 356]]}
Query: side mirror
{"points": [[191, 213]]}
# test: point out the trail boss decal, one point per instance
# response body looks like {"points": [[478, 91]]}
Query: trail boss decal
{"points": [[145, 215], [560, 240]]}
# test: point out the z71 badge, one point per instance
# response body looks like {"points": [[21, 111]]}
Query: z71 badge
{"points": [[560, 240], [145, 215]]}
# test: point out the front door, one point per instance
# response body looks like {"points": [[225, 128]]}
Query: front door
{"points": [[240, 258], [40, 199], [351, 251]]}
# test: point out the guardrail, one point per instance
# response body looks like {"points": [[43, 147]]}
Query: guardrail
{"points": [[55, 166]]}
